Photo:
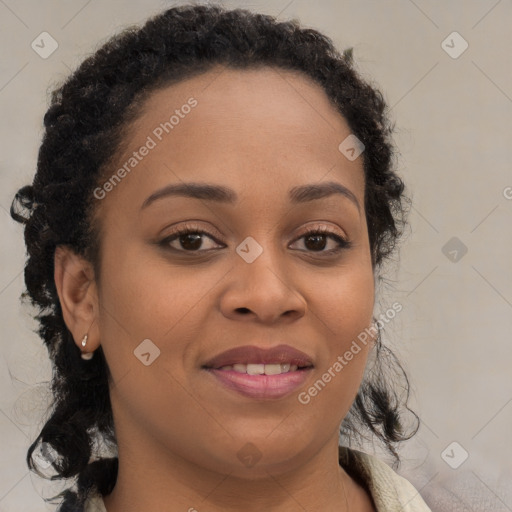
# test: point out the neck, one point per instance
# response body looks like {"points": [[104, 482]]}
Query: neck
{"points": [[150, 477]]}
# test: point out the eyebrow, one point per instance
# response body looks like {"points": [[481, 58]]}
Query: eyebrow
{"points": [[221, 194]]}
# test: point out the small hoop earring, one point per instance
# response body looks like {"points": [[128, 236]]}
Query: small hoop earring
{"points": [[86, 355]]}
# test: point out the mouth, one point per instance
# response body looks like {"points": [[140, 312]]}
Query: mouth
{"points": [[263, 369], [261, 386], [256, 361], [261, 373]]}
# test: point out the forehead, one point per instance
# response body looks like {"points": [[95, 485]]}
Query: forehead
{"points": [[238, 98], [256, 130]]}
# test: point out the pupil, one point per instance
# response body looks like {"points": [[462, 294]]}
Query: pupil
{"points": [[196, 243], [316, 238]]}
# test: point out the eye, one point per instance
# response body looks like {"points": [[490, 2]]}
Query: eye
{"points": [[188, 238], [316, 239], [191, 239]]}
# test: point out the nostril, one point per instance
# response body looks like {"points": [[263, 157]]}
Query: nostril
{"points": [[243, 310]]}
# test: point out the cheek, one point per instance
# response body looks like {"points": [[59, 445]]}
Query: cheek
{"points": [[346, 308], [347, 301], [145, 297], [145, 300], [339, 374], [144, 294]]}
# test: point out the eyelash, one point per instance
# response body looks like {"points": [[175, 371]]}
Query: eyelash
{"points": [[322, 230]]}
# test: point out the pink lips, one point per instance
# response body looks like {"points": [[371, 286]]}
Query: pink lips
{"points": [[261, 386]]}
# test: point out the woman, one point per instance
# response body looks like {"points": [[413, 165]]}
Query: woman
{"points": [[213, 204]]}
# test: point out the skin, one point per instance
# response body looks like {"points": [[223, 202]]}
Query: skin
{"points": [[259, 132]]}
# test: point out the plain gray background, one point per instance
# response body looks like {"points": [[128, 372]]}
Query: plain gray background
{"points": [[453, 113]]}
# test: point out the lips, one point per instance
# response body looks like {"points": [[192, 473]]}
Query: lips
{"points": [[251, 354]]}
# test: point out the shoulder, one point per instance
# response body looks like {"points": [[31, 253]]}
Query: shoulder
{"points": [[389, 490]]}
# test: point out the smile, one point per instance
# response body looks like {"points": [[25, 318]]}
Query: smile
{"points": [[261, 385]]}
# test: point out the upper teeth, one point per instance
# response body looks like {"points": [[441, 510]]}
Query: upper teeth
{"points": [[260, 369]]}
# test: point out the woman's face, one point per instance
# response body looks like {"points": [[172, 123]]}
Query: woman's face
{"points": [[169, 306]]}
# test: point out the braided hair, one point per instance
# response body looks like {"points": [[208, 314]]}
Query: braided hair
{"points": [[84, 127]]}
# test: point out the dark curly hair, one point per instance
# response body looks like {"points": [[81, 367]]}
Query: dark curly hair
{"points": [[84, 129]]}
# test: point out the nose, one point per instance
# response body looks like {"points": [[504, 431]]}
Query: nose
{"points": [[264, 290]]}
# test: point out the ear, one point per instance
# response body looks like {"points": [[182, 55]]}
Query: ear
{"points": [[77, 291]]}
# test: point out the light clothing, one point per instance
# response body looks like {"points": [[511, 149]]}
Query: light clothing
{"points": [[390, 491]]}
